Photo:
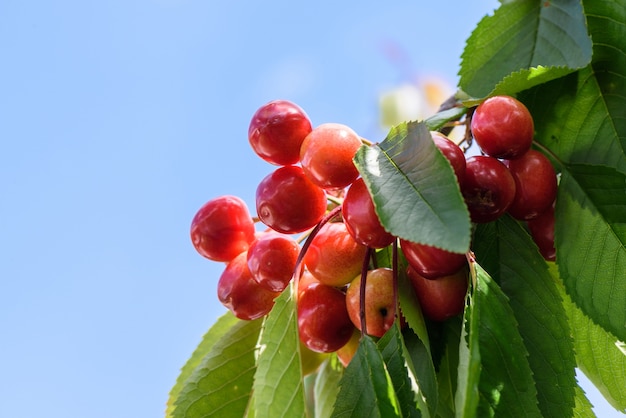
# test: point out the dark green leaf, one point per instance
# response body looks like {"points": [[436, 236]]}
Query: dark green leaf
{"points": [[327, 387], [421, 365], [525, 43], [366, 389], [221, 385], [598, 352], [414, 189], [580, 118], [447, 370], [590, 235], [278, 386], [221, 327], [506, 250], [491, 338], [394, 352]]}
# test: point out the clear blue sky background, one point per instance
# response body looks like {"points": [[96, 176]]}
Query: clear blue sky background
{"points": [[118, 120]]}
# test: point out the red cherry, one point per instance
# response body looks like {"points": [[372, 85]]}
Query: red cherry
{"points": [[360, 218], [452, 152], [535, 185], [503, 127], [323, 322], [488, 188], [443, 297], [334, 257], [326, 155], [277, 130], [241, 294], [380, 304], [431, 262], [542, 231], [222, 228], [288, 202], [272, 259]]}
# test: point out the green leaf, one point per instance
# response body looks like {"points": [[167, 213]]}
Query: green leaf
{"points": [[366, 389], [327, 387], [439, 119], [221, 385], [492, 349], [447, 371], [420, 363], [598, 352], [506, 250], [414, 189], [590, 237], [469, 370], [278, 386], [221, 327], [583, 408], [394, 352], [524, 43], [580, 118]]}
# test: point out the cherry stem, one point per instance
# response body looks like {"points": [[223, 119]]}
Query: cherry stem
{"points": [[551, 154], [394, 275], [364, 269], [305, 247]]}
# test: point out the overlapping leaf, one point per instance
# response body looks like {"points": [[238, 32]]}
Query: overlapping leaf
{"points": [[494, 373], [221, 384], [507, 251], [598, 352], [278, 386], [414, 189], [401, 372], [524, 44], [366, 389], [590, 236], [581, 117], [327, 387]]}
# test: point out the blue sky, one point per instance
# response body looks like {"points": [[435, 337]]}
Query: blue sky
{"points": [[119, 119]]}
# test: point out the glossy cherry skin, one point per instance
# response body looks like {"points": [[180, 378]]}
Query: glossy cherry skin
{"points": [[277, 130], [431, 262], [334, 257], [360, 218], [443, 297], [272, 259], [535, 185], [346, 353], [323, 322], [380, 308], [288, 202], [326, 155], [222, 228], [452, 152], [503, 127], [488, 188], [542, 231], [241, 294]]}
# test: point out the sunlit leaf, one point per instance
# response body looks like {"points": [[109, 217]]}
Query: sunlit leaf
{"points": [[523, 44], [278, 387], [494, 372], [414, 189], [590, 235], [598, 352], [219, 328], [327, 387], [506, 250], [221, 385], [366, 389], [402, 376]]}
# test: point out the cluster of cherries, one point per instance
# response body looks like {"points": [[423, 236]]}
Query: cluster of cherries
{"points": [[321, 227]]}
